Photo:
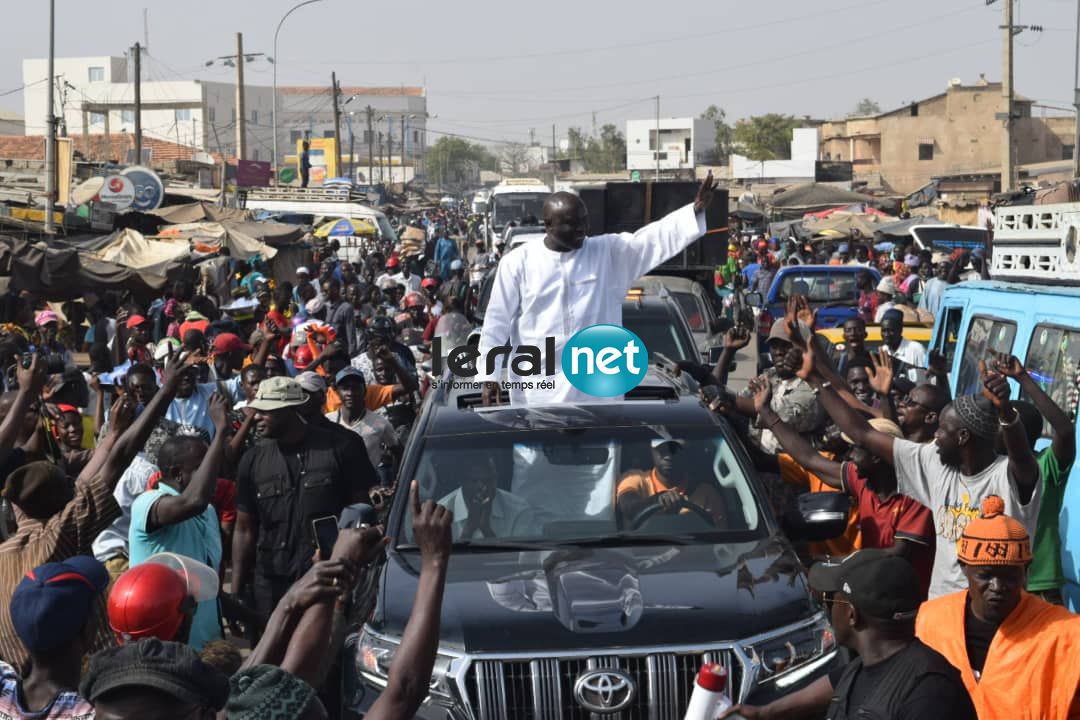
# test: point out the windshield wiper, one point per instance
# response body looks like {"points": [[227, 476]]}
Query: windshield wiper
{"points": [[623, 538], [488, 546]]}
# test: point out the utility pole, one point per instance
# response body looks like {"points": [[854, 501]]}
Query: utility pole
{"points": [[50, 141], [241, 121], [1007, 95], [554, 165], [370, 145], [137, 57], [402, 150], [657, 138], [337, 121], [1076, 97]]}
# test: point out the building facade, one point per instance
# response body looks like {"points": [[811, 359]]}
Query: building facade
{"points": [[684, 144], [397, 137], [802, 167], [95, 96], [957, 132]]}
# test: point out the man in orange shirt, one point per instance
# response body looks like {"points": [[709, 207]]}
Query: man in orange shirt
{"points": [[1017, 654], [668, 485]]}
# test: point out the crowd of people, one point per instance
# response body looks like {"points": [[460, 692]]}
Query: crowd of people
{"points": [[160, 508], [157, 509], [952, 546]]}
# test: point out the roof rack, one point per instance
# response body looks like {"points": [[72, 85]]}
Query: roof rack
{"points": [[1037, 243], [318, 194]]}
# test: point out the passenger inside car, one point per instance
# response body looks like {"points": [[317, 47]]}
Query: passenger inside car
{"points": [[668, 486], [481, 510]]}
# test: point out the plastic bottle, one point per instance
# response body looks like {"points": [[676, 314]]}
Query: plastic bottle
{"points": [[709, 698]]}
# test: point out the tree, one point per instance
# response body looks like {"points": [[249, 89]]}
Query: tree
{"points": [[605, 153], [514, 158], [453, 161], [765, 137], [725, 138], [866, 106]]}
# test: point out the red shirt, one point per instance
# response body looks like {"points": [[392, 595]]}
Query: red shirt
{"points": [[898, 516]]}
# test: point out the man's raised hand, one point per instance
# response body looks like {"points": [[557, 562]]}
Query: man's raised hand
{"points": [[705, 193]]}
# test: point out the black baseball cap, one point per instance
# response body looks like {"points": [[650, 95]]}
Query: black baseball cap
{"points": [[880, 584]]}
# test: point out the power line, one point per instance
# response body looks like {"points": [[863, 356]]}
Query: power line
{"points": [[22, 87], [544, 54]]}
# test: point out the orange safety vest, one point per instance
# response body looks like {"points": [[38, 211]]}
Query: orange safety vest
{"points": [[1031, 670]]}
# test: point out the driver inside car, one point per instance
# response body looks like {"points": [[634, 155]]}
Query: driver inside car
{"points": [[669, 484], [483, 511]]}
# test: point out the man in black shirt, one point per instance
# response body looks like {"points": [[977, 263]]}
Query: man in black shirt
{"points": [[300, 472], [873, 597]]}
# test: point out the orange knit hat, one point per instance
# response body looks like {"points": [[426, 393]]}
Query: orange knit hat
{"points": [[994, 538]]}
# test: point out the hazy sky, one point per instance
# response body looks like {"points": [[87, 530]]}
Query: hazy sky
{"points": [[496, 69]]}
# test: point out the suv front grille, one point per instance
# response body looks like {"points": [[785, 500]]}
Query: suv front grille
{"points": [[543, 688]]}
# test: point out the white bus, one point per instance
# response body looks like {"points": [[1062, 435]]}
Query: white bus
{"points": [[517, 200]]}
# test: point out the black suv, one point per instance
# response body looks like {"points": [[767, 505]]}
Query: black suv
{"points": [[573, 603]]}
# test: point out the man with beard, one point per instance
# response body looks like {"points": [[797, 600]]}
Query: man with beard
{"points": [[303, 473]]}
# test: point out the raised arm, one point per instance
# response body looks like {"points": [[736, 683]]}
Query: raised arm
{"points": [[937, 367], [235, 449], [134, 438], [1064, 439], [193, 501], [305, 655], [1023, 467], [795, 444], [849, 420], [410, 672], [31, 382], [735, 339], [658, 241]]}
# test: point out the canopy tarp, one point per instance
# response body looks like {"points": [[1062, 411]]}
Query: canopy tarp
{"points": [[812, 197], [902, 228], [65, 271], [199, 212], [844, 224], [131, 249], [744, 210], [210, 237], [858, 208], [788, 229]]}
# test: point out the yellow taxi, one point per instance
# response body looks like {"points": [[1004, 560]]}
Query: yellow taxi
{"points": [[835, 336]]}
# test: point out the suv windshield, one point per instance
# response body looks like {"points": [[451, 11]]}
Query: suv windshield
{"points": [[596, 484], [660, 330]]}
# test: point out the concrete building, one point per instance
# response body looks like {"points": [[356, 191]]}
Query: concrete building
{"points": [[802, 167], [953, 133], [11, 123], [96, 97], [684, 143], [396, 112]]}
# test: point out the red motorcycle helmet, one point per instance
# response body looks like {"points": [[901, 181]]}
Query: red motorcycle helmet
{"points": [[413, 300], [149, 600], [303, 357], [429, 283], [392, 263]]}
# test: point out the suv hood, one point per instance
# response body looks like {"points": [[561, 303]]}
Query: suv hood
{"points": [[510, 601]]}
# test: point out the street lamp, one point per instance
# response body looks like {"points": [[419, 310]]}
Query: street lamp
{"points": [[273, 111]]}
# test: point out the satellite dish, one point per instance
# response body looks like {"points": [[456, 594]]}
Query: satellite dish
{"points": [[87, 191]]}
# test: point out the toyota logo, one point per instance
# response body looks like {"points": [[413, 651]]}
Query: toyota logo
{"points": [[604, 691]]}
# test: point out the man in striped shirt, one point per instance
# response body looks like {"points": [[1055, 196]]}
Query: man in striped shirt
{"points": [[58, 519]]}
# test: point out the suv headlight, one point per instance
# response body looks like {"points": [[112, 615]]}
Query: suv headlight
{"points": [[375, 653], [788, 657]]}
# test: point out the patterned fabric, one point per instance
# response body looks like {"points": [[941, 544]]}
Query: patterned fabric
{"points": [[265, 692], [68, 705]]}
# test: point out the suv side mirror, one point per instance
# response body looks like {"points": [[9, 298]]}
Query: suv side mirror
{"points": [[818, 516], [720, 325], [754, 299]]}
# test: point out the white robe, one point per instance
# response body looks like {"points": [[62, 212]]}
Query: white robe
{"points": [[540, 293]]}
